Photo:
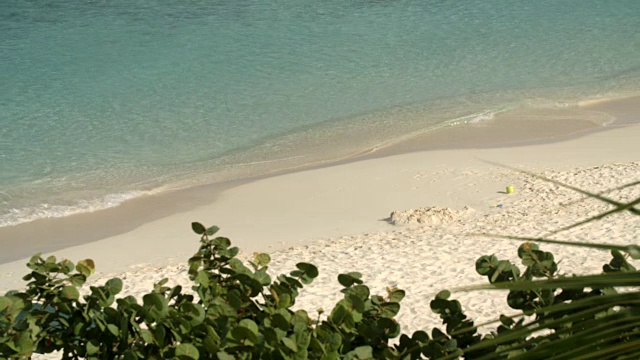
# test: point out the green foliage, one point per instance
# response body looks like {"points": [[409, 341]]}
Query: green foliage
{"points": [[240, 312]]}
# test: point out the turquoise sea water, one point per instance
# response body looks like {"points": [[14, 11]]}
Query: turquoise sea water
{"points": [[102, 101]]}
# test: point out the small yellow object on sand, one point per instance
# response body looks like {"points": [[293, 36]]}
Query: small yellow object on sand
{"points": [[510, 189]]}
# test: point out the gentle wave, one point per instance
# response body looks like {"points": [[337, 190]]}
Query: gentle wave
{"points": [[300, 149], [16, 216], [475, 118], [47, 211]]}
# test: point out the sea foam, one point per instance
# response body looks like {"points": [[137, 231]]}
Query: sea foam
{"points": [[17, 216]]}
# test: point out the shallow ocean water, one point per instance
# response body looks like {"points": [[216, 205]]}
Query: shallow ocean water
{"points": [[103, 101]]}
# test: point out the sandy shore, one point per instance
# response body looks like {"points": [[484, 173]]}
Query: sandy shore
{"points": [[337, 217]]}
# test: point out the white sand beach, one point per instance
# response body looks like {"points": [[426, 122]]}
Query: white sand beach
{"points": [[338, 218]]}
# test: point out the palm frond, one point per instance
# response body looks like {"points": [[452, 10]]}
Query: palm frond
{"points": [[633, 250], [561, 184], [622, 207], [599, 324], [604, 192]]}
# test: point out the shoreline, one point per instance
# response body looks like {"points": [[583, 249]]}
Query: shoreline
{"points": [[337, 218], [304, 149], [140, 215], [502, 131]]}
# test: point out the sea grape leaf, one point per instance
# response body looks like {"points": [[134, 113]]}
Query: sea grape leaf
{"points": [[349, 279], [361, 352], [156, 304], [212, 230], [198, 228], [114, 285], [396, 295], [187, 351], [70, 293]]}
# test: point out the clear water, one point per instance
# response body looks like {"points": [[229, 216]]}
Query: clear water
{"points": [[102, 101]]}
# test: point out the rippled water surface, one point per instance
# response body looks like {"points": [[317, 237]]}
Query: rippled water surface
{"points": [[102, 101]]}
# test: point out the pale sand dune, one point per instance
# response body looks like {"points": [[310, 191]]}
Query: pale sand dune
{"points": [[335, 218]]}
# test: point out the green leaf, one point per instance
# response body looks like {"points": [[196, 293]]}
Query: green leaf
{"points": [[361, 291], [70, 293], [156, 304], [93, 347], [353, 302], [88, 263], [290, 343], [349, 279], [261, 259], [318, 346], [147, 336], [198, 228], [86, 267], [300, 321], [526, 248], [113, 329], [203, 278], [338, 314], [309, 270], [222, 242], [129, 354], [284, 301], [618, 263], [420, 336], [239, 267], [114, 286], [486, 264], [232, 252], [187, 351], [85, 271], [24, 345], [390, 326], [396, 295], [175, 291], [212, 230], [67, 266], [262, 277], [211, 341], [34, 259], [224, 356], [333, 342], [444, 295], [389, 309], [506, 321], [243, 335], [249, 324], [160, 334], [5, 303], [194, 313], [77, 280], [503, 266], [361, 352]]}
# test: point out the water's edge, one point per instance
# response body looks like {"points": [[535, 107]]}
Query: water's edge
{"points": [[343, 140], [51, 234]]}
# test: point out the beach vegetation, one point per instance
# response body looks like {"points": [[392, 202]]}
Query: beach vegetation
{"points": [[237, 310]]}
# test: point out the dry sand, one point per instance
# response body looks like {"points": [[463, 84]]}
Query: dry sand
{"points": [[338, 218]]}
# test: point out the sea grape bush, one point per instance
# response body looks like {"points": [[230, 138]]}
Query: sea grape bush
{"points": [[240, 312]]}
